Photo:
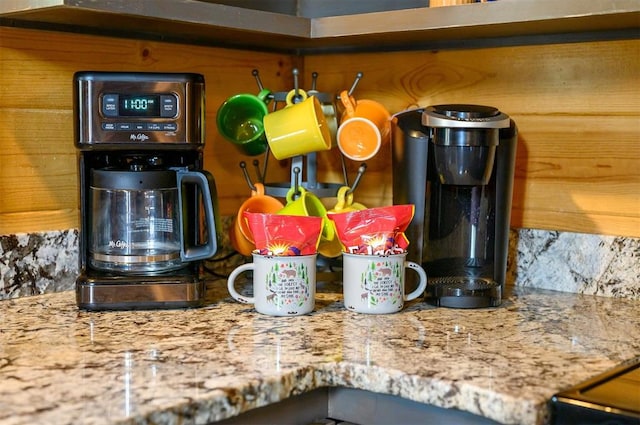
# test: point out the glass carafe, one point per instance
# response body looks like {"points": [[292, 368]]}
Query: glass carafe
{"points": [[138, 219]]}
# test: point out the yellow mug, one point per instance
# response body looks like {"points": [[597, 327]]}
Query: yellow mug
{"points": [[329, 111], [344, 203], [297, 129], [308, 204], [365, 126]]}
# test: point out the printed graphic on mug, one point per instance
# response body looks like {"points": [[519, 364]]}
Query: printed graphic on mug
{"points": [[381, 283], [374, 284], [288, 285]]}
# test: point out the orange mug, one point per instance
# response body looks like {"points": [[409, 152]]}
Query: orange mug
{"points": [[365, 126], [240, 234]]}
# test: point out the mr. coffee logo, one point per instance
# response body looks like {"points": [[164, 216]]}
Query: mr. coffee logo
{"points": [[119, 244], [140, 137]]}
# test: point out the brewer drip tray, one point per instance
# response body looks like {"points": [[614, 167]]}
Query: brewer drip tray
{"points": [[463, 292]]}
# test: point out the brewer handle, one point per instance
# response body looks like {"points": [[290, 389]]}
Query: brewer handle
{"points": [[206, 183]]}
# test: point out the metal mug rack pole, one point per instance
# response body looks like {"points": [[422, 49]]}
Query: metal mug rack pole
{"points": [[281, 189]]}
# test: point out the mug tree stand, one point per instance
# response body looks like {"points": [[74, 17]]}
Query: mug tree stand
{"points": [[304, 172]]}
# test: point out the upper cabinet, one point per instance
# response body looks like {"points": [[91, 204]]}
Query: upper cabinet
{"points": [[319, 26]]}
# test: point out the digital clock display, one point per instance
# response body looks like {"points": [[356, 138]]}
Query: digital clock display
{"points": [[144, 105]]}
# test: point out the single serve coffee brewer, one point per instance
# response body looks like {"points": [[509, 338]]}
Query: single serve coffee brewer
{"points": [[148, 210], [456, 163]]}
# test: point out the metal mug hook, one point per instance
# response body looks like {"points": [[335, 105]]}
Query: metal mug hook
{"points": [[256, 166], [355, 83], [356, 182], [256, 75], [296, 186], [243, 166]]}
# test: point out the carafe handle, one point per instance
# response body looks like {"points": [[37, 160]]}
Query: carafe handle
{"points": [[206, 183]]}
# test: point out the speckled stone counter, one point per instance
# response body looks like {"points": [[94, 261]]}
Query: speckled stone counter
{"points": [[59, 365], [38, 263]]}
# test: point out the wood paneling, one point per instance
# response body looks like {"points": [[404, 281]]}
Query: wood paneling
{"points": [[577, 107], [38, 178]]}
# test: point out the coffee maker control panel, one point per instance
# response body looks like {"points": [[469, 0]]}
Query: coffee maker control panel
{"points": [[138, 109], [140, 105]]}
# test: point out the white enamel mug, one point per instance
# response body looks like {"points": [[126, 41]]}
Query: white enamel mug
{"points": [[282, 285], [375, 283]]}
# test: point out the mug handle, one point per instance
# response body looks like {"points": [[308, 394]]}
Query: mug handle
{"points": [[293, 97], [344, 199], [232, 279], [292, 192], [259, 189], [264, 95], [207, 185], [349, 104], [423, 280]]}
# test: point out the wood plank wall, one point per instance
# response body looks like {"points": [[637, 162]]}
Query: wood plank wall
{"points": [[38, 177], [577, 107]]}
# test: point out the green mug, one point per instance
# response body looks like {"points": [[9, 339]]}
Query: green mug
{"points": [[240, 121]]}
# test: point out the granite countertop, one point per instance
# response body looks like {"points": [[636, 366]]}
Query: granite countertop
{"points": [[60, 365]]}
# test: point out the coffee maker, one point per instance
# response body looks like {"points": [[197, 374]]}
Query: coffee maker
{"points": [[456, 164], [148, 210]]}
